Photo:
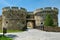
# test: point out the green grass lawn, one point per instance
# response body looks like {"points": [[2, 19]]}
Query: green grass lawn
{"points": [[11, 31], [5, 38]]}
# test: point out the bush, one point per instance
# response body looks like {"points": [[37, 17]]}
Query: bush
{"points": [[48, 20]]}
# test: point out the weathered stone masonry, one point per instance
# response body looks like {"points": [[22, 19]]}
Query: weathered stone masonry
{"points": [[18, 18]]}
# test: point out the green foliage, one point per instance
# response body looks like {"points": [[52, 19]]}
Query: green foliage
{"points": [[5, 38], [48, 20]]}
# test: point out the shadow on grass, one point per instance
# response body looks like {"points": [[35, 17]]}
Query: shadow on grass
{"points": [[11, 36], [7, 37]]}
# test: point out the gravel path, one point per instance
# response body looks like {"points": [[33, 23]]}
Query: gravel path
{"points": [[34, 34]]}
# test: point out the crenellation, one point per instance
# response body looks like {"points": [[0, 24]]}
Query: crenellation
{"points": [[23, 9], [6, 8], [14, 8], [48, 8], [38, 10], [56, 10]]}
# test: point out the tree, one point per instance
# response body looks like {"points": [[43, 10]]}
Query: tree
{"points": [[48, 20]]}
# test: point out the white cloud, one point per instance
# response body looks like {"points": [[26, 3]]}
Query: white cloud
{"points": [[3, 2], [11, 2]]}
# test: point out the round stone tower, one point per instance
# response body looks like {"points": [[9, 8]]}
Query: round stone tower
{"points": [[13, 18], [5, 11], [40, 14]]}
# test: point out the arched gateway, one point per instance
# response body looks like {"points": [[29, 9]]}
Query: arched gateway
{"points": [[30, 24]]}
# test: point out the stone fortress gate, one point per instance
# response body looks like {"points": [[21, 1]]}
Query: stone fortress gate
{"points": [[20, 18]]}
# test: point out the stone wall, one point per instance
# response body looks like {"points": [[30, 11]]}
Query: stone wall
{"points": [[0, 22], [52, 29], [14, 18]]}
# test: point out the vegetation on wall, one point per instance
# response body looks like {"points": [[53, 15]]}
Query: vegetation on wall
{"points": [[48, 20]]}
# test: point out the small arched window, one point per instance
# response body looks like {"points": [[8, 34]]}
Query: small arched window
{"points": [[6, 22], [41, 23]]}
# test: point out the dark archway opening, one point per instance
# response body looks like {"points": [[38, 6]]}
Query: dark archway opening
{"points": [[31, 23]]}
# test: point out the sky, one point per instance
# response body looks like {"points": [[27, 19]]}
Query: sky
{"points": [[31, 5]]}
